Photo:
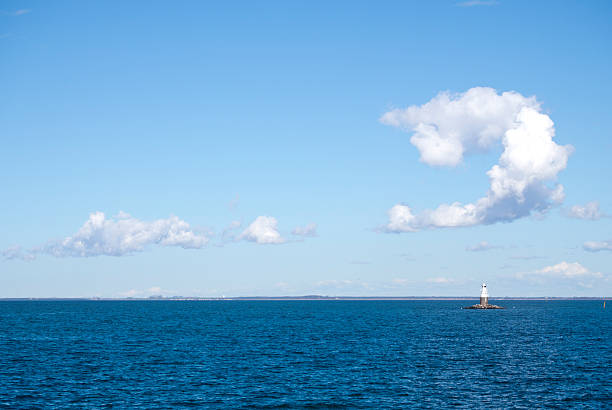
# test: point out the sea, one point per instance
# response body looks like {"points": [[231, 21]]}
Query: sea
{"points": [[304, 354]]}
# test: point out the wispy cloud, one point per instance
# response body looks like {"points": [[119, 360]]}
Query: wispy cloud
{"points": [[233, 204], [343, 285], [407, 257], [229, 233], [473, 3], [15, 13], [17, 252], [526, 257], [309, 230], [143, 293], [481, 247], [594, 246], [359, 262], [564, 270], [441, 280], [589, 211]]}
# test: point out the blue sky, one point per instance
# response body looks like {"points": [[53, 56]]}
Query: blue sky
{"points": [[258, 148]]}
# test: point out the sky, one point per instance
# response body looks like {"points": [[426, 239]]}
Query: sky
{"points": [[291, 148]]}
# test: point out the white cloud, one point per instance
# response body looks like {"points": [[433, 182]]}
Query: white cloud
{"points": [[451, 126], [565, 270], [309, 230], [593, 246], [480, 247], [263, 230], [590, 210], [401, 219], [124, 234]]}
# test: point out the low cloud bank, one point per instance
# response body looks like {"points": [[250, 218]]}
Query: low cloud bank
{"points": [[565, 270]]}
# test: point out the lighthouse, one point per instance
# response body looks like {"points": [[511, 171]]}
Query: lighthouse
{"points": [[484, 295], [484, 300]]}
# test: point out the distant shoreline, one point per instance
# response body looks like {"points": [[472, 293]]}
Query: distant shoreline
{"points": [[308, 297]]}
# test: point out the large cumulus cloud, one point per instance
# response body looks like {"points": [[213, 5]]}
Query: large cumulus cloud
{"points": [[451, 126]]}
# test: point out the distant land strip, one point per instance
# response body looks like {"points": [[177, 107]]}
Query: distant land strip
{"points": [[306, 297]]}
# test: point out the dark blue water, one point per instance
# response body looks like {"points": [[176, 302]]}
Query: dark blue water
{"points": [[304, 354]]}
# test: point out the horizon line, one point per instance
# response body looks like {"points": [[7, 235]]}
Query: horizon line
{"points": [[296, 298]]}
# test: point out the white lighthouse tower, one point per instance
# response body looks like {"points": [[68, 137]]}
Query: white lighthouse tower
{"points": [[484, 295], [484, 300]]}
